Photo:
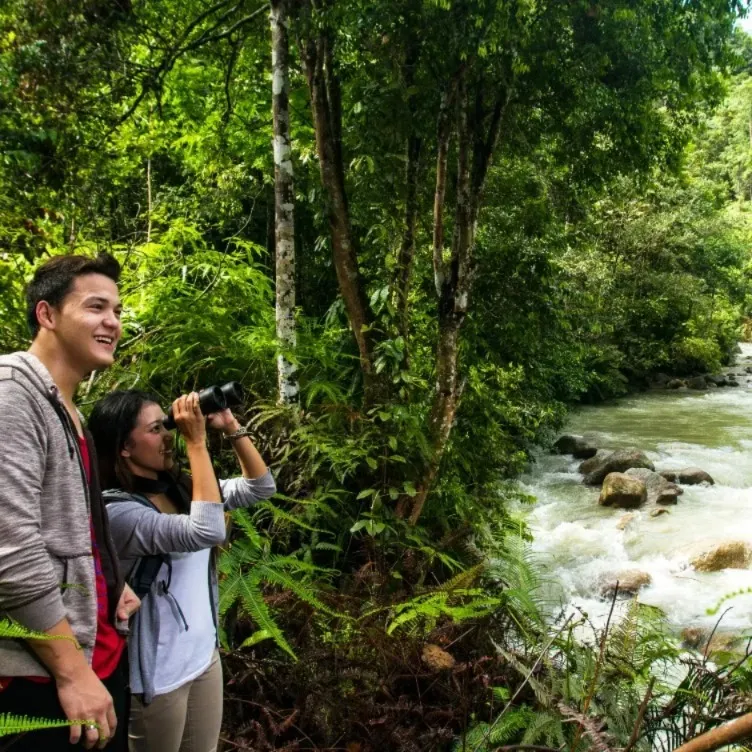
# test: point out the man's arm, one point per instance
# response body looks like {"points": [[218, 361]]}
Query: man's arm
{"points": [[82, 695], [29, 585]]}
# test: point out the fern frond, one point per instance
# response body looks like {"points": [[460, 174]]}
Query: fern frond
{"points": [[245, 588], [463, 580], [21, 724], [306, 594], [12, 630], [280, 514]]}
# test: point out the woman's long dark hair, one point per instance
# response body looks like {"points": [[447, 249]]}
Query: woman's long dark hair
{"points": [[110, 423]]}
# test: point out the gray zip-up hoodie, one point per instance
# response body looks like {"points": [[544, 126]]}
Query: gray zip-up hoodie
{"points": [[46, 517]]}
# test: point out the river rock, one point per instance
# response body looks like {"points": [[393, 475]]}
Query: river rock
{"points": [[660, 380], [689, 476], [626, 520], [718, 379], [594, 462], [630, 581], [732, 382], [676, 384], [732, 554], [616, 462], [660, 490], [621, 490], [577, 446], [720, 642], [658, 512], [697, 382]]}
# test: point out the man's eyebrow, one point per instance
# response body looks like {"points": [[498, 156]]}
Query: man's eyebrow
{"points": [[94, 298]]}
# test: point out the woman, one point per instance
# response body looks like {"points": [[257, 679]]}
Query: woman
{"points": [[165, 525]]}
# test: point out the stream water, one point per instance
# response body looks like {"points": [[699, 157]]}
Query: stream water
{"points": [[578, 542]]}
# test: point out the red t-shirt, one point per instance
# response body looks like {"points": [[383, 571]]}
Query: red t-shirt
{"points": [[108, 645]]}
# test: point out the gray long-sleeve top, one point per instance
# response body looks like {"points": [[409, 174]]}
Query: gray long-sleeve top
{"points": [[140, 531]]}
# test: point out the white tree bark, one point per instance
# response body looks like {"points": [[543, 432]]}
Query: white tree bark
{"points": [[284, 203]]}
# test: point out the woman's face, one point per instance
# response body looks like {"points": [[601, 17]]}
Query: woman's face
{"points": [[148, 449]]}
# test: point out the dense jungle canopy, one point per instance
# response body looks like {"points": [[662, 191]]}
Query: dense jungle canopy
{"points": [[418, 232]]}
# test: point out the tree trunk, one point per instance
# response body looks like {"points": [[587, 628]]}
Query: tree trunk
{"points": [[406, 254], [444, 134], [475, 147], [326, 107], [284, 203], [407, 248]]}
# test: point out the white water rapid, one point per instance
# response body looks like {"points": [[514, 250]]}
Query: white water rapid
{"points": [[578, 543]]}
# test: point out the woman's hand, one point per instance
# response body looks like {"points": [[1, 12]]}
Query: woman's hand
{"points": [[223, 421], [189, 419]]}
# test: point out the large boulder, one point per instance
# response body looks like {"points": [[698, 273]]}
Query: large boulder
{"points": [[717, 379], [697, 382], [616, 462], [689, 476], [660, 490], [621, 490], [594, 462], [732, 554], [676, 384], [577, 446], [660, 380], [630, 581]]}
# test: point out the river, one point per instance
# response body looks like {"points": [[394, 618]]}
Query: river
{"points": [[577, 542]]}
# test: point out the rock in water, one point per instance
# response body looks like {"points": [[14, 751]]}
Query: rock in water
{"points": [[594, 462], [577, 446], [660, 490], [720, 642], [626, 520], [630, 581], [658, 512], [689, 476], [697, 382], [616, 462], [621, 490], [733, 554]]}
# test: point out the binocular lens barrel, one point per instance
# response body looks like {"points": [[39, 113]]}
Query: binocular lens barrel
{"points": [[212, 400]]}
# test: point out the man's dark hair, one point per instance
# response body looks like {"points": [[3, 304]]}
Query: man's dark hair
{"points": [[53, 280]]}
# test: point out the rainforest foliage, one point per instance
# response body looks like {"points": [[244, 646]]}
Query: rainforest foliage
{"points": [[501, 208]]}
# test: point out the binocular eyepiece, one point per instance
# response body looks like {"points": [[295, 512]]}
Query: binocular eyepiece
{"points": [[212, 400]]}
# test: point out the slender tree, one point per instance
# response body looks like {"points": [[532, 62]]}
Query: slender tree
{"points": [[284, 202]]}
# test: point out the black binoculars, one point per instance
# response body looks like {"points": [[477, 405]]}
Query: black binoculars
{"points": [[212, 400]]}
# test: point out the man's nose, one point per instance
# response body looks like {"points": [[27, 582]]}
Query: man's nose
{"points": [[111, 320]]}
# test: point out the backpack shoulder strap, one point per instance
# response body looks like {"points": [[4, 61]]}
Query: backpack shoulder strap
{"points": [[146, 568]]}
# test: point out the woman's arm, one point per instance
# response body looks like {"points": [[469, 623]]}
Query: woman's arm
{"points": [[242, 492], [251, 463], [138, 530], [191, 423]]}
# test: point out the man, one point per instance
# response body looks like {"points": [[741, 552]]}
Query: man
{"points": [[58, 567]]}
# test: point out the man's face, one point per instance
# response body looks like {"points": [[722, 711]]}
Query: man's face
{"points": [[87, 322]]}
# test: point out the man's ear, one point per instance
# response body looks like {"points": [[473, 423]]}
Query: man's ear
{"points": [[45, 314]]}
